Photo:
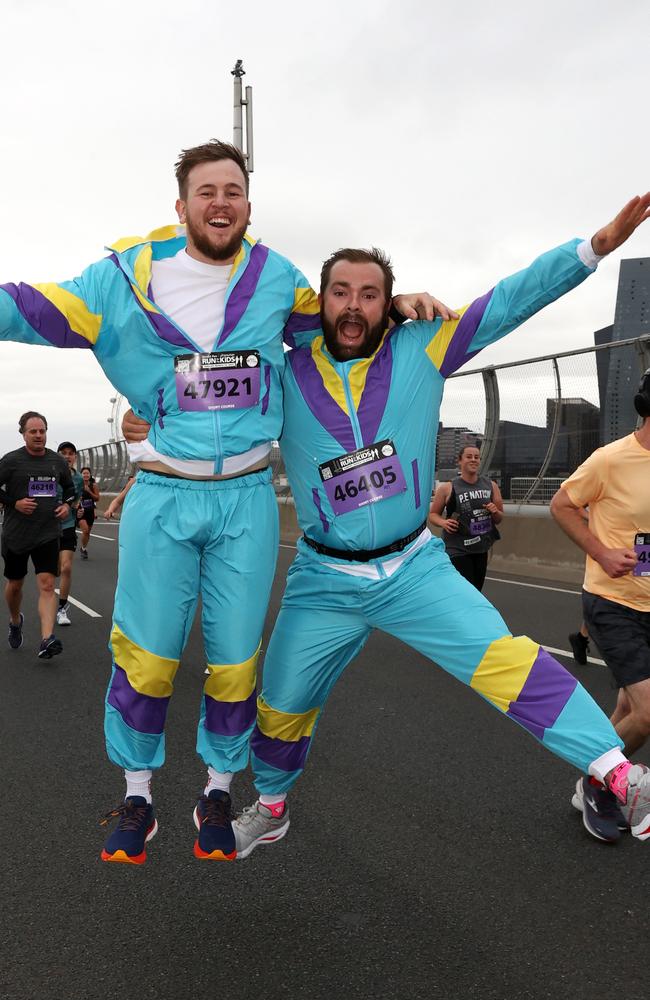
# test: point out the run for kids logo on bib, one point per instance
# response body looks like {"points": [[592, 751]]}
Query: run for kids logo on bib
{"points": [[360, 477], [222, 380]]}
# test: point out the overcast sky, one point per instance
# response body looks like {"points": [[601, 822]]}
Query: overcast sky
{"points": [[463, 139]]}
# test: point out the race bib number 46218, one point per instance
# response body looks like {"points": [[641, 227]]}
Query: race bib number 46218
{"points": [[361, 477], [642, 549], [223, 380], [41, 487]]}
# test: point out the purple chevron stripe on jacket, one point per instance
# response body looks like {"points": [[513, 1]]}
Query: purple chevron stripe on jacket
{"points": [[44, 317], [244, 290], [457, 352], [325, 409]]}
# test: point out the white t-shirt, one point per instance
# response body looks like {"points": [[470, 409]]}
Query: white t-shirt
{"points": [[193, 294]]}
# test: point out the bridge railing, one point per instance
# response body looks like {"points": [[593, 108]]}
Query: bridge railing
{"points": [[535, 420]]}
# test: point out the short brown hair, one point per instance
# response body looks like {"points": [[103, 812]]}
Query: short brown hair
{"points": [[372, 256], [207, 153], [22, 423], [465, 447]]}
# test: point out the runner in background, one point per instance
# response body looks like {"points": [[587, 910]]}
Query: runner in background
{"points": [[68, 540], [86, 509], [472, 506]]}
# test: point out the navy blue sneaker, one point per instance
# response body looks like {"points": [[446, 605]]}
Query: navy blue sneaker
{"points": [[213, 818], [137, 825], [601, 814], [15, 637], [49, 647]]}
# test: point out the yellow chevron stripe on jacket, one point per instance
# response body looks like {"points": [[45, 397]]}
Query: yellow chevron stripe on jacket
{"points": [[79, 317], [441, 341]]}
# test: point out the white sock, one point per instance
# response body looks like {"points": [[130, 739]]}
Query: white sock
{"points": [[218, 779], [138, 783]]}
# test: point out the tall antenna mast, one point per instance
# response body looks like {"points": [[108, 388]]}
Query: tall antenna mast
{"points": [[239, 104]]}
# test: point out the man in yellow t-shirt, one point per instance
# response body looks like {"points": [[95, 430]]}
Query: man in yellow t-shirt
{"points": [[615, 483]]}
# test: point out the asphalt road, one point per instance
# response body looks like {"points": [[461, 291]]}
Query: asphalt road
{"points": [[433, 850]]}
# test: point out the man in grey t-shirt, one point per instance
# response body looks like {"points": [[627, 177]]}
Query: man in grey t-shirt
{"points": [[29, 478]]}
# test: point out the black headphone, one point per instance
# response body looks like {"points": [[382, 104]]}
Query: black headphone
{"points": [[642, 398]]}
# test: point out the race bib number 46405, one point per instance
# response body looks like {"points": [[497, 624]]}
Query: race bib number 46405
{"points": [[223, 380], [361, 477]]}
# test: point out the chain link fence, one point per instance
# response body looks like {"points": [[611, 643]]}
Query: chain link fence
{"points": [[535, 421]]}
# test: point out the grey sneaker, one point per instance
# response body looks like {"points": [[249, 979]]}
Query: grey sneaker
{"points": [[256, 825], [62, 616], [630, 783], [15, 637]]}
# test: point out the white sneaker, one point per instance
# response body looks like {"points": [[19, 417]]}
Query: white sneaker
{"points": [[62, 617], [257, 825]]}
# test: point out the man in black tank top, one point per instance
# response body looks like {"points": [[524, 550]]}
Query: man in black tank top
{"points": [[472, 506]]}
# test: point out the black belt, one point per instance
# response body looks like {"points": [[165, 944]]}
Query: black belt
{"points": [[207, 479], [365, 555]]}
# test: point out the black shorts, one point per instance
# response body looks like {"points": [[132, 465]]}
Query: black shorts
{"points": [[68, 540], [473, 566], [622, 635], [45, 558], [86, 514]]}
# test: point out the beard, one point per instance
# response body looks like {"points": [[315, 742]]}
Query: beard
{"points": [[364, 348], [218, 254]]}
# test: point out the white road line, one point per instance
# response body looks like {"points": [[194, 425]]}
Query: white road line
{"points": [[565, 652], [537, 586], [82, 607]]}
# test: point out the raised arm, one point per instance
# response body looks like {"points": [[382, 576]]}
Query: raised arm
{"points": [[515, 299]]}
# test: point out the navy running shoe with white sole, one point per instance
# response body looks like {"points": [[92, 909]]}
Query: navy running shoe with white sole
{"points": [[49, 647], [257, 825], [15, 637], [213, 818], [600, 810], [136, 827]]}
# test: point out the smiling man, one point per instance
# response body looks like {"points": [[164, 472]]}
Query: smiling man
{"points": [[188, 324]]}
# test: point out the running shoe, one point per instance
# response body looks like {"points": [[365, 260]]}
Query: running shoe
{"points": [[630, 783], [83, 553], [213, 819], [580, 647], [49, 647], [601, 813], [257, 825], [137, 825], [62, 616], [15, 637]]}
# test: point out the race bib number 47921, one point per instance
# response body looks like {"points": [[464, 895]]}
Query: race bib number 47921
{"points": [[361, 477], [223, 380]]}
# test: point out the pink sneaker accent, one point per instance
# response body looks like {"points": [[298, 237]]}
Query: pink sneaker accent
{"points": [[275, 808], [618, 782]]}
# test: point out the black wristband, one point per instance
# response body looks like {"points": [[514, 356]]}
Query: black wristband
{"points": [[396, 315]]}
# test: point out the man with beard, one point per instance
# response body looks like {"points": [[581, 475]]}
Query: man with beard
{"points": [[187, 324], [361, 416], [361, 407]]}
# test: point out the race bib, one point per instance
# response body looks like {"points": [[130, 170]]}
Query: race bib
{"points": [[87, 503], [480, 523], [224, 380], [45, 487], [642, 549], [368, 475]]}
